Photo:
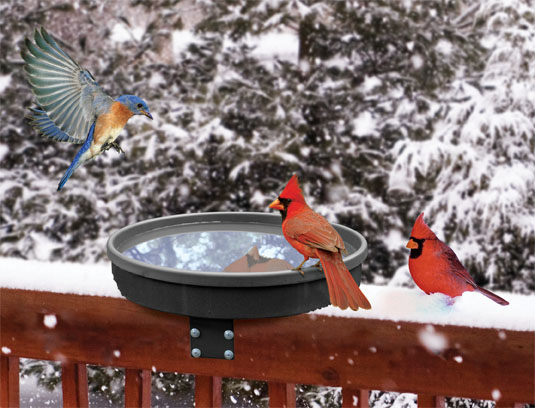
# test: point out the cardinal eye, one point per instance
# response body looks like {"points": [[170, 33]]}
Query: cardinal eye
{"points": [[139, 105], [285, 201]]}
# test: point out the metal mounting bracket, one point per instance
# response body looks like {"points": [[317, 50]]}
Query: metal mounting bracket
{"points": [[211, 338]]}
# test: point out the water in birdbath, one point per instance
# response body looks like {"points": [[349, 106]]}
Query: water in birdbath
{"points": [[219, 251]]}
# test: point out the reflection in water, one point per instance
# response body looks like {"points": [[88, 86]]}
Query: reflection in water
{"points": [[212, 251]]}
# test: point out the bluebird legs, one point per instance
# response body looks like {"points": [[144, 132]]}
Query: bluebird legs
{"points": [[115, 145]]}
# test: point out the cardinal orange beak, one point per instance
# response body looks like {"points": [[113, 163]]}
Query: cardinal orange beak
{"points": [[276, 205], [412, 244]]}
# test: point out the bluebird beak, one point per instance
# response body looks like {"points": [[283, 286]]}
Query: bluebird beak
{"points": [[147, 114]]}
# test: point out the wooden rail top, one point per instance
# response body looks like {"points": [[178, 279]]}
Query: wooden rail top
{"points": [[305, 349]]}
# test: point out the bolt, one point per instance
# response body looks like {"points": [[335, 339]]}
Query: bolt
{"points": [[229, 334], [229, 355], [195, 333], [195, 353]]}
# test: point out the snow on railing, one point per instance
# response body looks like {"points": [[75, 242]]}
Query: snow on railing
{"points": [[409, 342]]}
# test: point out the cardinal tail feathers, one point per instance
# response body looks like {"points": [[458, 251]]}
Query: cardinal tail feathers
{"points": [[343, 290], [491, 296]]}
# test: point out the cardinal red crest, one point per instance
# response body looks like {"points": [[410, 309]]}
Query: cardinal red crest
{"points": [[421, 230], [292, 190]]}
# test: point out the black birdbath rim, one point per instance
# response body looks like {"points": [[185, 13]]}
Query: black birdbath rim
{"points": [[143, 231]]}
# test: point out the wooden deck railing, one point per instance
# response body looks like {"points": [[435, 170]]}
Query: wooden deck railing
{"points": [[356, 354]]}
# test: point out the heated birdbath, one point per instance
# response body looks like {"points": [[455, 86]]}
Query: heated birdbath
{"points": [[217, 267]]}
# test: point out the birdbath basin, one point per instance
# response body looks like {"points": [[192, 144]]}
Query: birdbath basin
{"points": [[221, 266]]}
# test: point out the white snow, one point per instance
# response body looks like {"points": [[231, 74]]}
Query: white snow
{"points": [[444, 47], [370, 83], [43, 246], [496, 394], [388, 303], [156, 79], [432, 340], [395, 240], [120, 33], [50, 321], [181, 39], [365, 125], [276, 45], [417, 61], [81, 279], [4, 149], [5, 80], [472, 309]]}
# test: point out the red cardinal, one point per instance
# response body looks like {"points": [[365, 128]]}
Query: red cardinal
{"points": [[435, 267], [314, 237]]}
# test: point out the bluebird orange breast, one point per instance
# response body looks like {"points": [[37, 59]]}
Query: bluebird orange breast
{"points": [[110, 124], [120, 114]]}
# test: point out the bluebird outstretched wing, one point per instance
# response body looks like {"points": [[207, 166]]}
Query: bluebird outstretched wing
{"points": [[40, 120], [64, 90]]}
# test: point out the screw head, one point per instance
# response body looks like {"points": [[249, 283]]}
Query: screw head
{"points": [[195, 333], [229, 355], [195, 353], [229, 334]]}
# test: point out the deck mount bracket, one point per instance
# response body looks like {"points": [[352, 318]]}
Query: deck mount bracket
{"points": [[211, 338]]}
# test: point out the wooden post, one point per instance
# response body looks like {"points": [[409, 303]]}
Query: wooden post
{"points": [[9, 381], [74, 385], [360, 397], [207, 391], [137, 387], [431, 401], [281, 395]]}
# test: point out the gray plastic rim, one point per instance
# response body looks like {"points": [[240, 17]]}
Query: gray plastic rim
{"points": [[143, 231]]}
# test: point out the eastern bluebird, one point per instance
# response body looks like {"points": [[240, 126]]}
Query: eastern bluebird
{"points": [[72, 106]]}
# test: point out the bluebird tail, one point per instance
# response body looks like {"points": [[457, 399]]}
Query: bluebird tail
{"points": [[77, 162], [69, 172]]}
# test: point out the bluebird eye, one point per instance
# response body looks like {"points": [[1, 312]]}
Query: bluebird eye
{"points": [[139, 105]]}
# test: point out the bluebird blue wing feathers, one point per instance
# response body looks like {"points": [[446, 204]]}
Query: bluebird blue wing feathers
{"points": [[65, 92], [40, 120]]}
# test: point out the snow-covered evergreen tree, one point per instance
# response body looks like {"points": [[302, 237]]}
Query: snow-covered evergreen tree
{"points": [[475, 173]]}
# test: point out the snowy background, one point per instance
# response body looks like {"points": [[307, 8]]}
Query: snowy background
{"points": [[384, 109]]}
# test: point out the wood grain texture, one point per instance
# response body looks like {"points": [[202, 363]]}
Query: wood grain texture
{"points": [[307, 349], [9, 381], [74, 385], [431, 401], [137, 388], [207, 391], [281, 395]]}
